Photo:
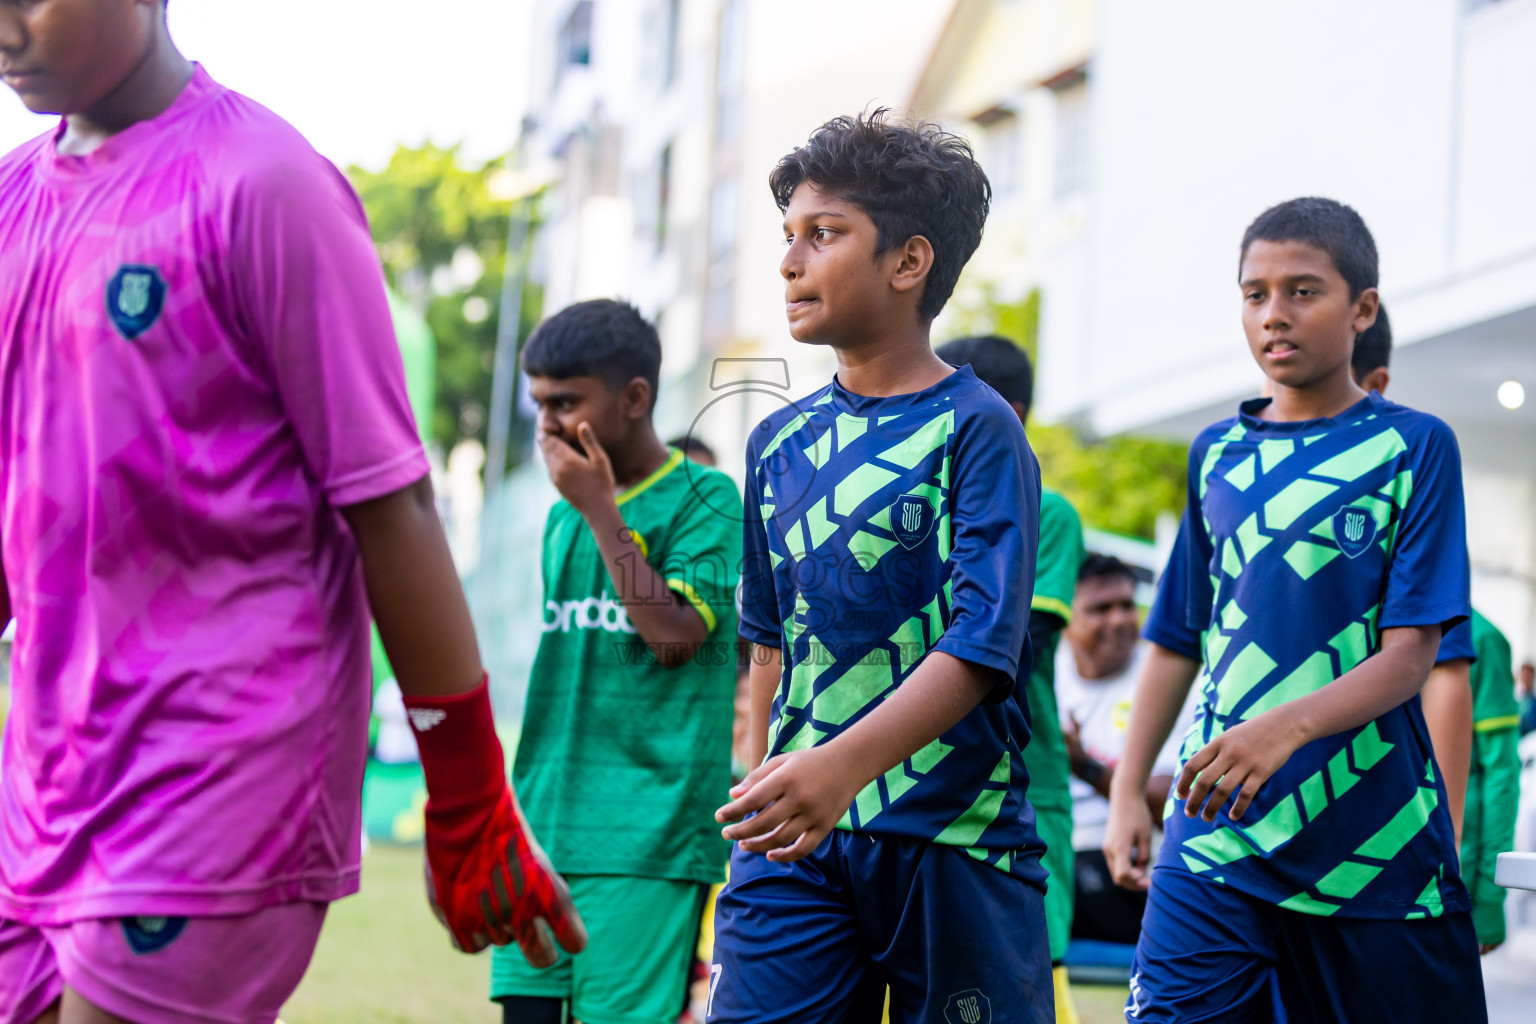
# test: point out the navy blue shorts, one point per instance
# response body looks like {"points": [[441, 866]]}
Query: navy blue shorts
{"points": [[1211, 953], [818, 941]]}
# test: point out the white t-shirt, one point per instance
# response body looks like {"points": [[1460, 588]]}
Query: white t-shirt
{"points": [[1102, 709]]}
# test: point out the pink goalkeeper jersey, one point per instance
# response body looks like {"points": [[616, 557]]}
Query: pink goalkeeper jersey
{"points": [[197, 370]]}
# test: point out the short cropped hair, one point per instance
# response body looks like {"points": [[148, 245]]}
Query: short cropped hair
{"points": [[691, 446], [1373, 346], [911, 177], [1327, 224], [1105, 567], [1001, 364], [598, 338]]}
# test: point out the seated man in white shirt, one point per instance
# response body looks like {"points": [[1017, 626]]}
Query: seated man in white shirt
{"points": [[1096, 673]]}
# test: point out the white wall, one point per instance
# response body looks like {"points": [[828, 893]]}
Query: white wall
{"points": [[1416, 112], [1206, 116]]}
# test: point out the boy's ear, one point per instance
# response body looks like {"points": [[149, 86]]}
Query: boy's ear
{"points": [[913, 261], [1377, 380], [636, 398], [1365, 310]]}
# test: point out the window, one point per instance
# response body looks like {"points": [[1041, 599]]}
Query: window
{"points": [[1071, 139], [669, 38], [724, 212], [663, 196], [658, 47], [575, 43], [729, 59], [1002, 145]]}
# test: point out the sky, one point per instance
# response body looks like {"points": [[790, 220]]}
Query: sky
{"points": [[356, 77]]}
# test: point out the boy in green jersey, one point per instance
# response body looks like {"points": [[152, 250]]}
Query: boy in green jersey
{"points": [[1493, 784], [1004, 366], [626, 736]]}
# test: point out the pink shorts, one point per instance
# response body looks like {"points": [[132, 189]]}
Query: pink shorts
{"points": [[200, 970]]}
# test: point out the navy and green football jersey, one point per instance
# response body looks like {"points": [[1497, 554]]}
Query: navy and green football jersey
{"points": [[878, 530], [1302, 542]]}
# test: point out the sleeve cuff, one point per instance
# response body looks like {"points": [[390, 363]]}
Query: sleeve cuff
{"points": [[701, 606], [762, 637], [376, 481], [1446, 616], [1176, 642], [1006, 663]]}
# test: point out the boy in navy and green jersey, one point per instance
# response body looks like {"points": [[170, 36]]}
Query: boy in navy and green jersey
{"points": [[889, 551], [1311, 871], [1005, 367], [1447, 693], [626, 738], [1490, 775]]}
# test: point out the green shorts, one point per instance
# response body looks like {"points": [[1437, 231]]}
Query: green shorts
{"points": [[641, 935], [1054, 825]]}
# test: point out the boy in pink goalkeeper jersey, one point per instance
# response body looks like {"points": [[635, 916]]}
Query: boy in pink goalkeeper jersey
{"points": [[208, 472]]}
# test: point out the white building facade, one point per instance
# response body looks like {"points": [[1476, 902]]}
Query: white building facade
{"points": [[658, 122], [1415, 112]]}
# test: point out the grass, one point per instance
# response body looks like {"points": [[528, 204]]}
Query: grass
{"points": [[384, 959], [1099, 1004]]}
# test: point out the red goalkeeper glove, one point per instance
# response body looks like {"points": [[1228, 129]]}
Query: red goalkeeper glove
{"points": [[487, 879]]}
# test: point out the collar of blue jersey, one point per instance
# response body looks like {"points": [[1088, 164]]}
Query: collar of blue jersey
{"points": [[864, 405], [1249, 411]]}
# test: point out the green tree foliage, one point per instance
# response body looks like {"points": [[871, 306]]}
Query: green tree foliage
{"points": [[442, 235], [1119, 483]]}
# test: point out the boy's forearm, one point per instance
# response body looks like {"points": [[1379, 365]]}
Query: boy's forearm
{"points": [[415, 594], [1372, 688], [673, 628], [1447, 697], [939, 693], [762, 684], [1160, 695]]}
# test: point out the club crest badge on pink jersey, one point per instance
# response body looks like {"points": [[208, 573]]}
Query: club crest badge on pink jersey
{"points": [[135, 297], [147, 935]]}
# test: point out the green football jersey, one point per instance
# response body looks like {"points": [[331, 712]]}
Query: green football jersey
{"points": [[1059, 558], [1493, 782], [1057, 562], [622, 761]]}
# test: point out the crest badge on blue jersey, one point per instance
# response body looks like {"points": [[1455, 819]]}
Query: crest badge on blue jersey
{"points": [[911, 519], [152, 934], [135, 297], [1354, 528], [968, 1007]]}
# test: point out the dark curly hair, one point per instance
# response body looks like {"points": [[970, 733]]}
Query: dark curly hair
{"points": [[597, 338], [911, 177], [1327, 224]]}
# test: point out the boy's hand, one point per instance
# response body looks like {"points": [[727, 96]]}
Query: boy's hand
{"points": [[799, 798], [584, 478], [1236, 763], [1128, 843]]}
